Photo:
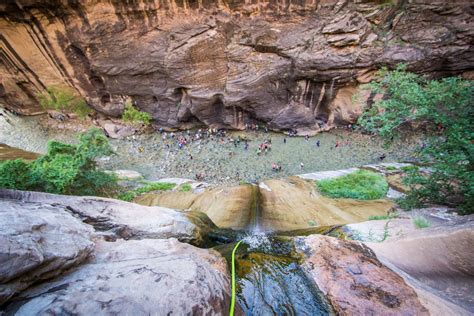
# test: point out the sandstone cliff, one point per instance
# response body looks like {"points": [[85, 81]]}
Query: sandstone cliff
{"points": [[290, 64]]}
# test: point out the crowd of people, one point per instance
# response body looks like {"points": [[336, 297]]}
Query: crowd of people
{"points": [[183, 139]]}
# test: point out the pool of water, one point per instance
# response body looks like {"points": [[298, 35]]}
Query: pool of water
{"points": [[220, 160], [270, 280]]}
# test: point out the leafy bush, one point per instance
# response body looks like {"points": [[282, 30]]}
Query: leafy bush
{"points": [[14, 174], [131, 114], [445, 110], [65, 169], [186, 187], [63, 100], [380, 217], [361, 185], [155, 186], [421, 222]]}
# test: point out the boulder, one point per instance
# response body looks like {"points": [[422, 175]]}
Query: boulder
{"points": [[137, 277], [38, 241], [117, 131], [353, 279], [122, 219], [127, 174]]}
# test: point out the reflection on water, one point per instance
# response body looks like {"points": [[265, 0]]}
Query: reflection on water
{"points": [[270, 280], [9, 153]]}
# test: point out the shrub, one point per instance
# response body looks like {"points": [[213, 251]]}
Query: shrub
{"points": [[361, 185], [421, 222], [63, 100], [155, 186], [65, 169], [14, 174], [445, 110], [131, 114], [409, 168], [380, 217], [186, 187]]}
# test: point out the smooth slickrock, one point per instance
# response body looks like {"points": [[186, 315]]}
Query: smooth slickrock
{"points": [[138, 277], [225, 64], [122, 219], [353, 279], [437, 262], [38, 241], [227, 207], [277, 205]]}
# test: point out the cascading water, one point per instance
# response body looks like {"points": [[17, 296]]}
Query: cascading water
{"points": [[269, 278]]}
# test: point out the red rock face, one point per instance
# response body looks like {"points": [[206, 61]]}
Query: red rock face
{"points": [[224, 64], [354, 280]]}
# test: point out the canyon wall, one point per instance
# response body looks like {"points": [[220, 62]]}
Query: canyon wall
{"points": [[286, 63]]}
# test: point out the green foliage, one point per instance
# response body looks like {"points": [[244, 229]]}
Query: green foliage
{"points": [[390, 168], [63, 100], [131, 114], [64, 169], [445, 110], [186, 187], [380, 217], [421, 222], [14, 174], [361, 185], [155, 186], [409, 168]]}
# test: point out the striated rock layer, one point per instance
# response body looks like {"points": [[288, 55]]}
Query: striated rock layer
{"points": [[221, 63]]}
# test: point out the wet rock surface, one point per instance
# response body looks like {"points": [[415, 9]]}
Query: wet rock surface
{"points": [[225, 64], [354, 281], [38, 242], [273, 205], [136, 277]]}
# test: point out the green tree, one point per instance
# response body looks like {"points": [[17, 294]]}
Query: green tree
{"points": [[444, 110], [64, 169]]}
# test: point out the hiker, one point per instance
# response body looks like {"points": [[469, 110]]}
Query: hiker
{"points": [[284, 140], [301, 165], [337, 143], [306, 138], [317, 143], [246, 145]]}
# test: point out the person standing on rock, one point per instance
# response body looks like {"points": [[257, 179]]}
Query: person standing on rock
{"points": [[284, 140]]}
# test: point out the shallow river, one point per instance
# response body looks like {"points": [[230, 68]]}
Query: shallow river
{"points": [[220, 162]]}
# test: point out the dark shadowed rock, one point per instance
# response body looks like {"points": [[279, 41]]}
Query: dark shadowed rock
{"points": [[354, 280], [37, 242]]}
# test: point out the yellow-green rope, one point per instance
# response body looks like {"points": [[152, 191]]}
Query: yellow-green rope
{"points": [[232, 302]]}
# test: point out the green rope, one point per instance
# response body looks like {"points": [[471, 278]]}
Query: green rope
{"points": [[232, 302]]}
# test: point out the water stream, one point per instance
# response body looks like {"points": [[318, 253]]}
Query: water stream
{"points": [[270, 280], [220, 160]]}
